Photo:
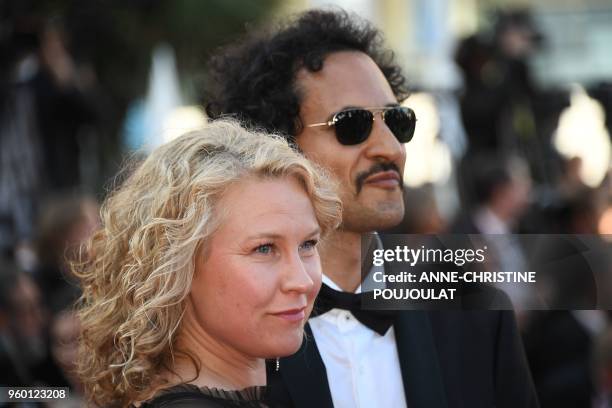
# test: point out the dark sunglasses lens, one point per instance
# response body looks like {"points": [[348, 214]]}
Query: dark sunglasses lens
{"points": [[353, 126], [401, 121]]}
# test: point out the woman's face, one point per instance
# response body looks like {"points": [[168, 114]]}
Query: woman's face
{"points": [[256, 281]]}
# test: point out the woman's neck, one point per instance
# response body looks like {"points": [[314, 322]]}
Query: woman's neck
{"points": [[221, 366]]}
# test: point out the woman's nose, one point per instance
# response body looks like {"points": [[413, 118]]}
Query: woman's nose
{"points": [[296, 277]]}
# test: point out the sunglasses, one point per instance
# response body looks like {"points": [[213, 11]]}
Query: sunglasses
{"points": [[353, 126]]}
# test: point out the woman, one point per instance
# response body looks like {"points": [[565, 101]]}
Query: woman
{"points": [[206, 264]]}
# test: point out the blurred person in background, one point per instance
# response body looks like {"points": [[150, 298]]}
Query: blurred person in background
{"points": [[64, 224], [605, 222], [501, 188], [502, 110], [326, 81], [64, 105], [570, 183], [602, 368], [24, 351], [206, 264], [570, 207], [64, 332], [559, 346], [581, 210], [47, 110], [20, 144], [560, 343]]}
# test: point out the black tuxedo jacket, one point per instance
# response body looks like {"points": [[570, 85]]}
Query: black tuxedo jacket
{"points": [[448, 359]]}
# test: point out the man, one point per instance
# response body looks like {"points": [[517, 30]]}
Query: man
{"points": [[501, 188], [325, 81]]}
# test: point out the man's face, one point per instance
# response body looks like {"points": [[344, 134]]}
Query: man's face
{"points": [[369, 173]]}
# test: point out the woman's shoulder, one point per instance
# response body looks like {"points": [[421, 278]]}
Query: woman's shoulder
{"points": [[189, 395]]}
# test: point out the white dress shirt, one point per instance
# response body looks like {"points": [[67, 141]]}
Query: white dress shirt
{"points": [[362, 366]]}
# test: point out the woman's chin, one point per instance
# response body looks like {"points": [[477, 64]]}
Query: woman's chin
{"points": [[286, 345]]}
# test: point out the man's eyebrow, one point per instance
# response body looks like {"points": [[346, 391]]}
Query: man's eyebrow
{"points": [[349, 107], [390, 105]]}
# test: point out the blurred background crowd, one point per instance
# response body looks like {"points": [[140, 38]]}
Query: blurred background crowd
{"points": [[513, 98]]}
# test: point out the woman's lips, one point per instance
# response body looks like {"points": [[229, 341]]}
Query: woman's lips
{"points": [[292, 315], [386, 179]]}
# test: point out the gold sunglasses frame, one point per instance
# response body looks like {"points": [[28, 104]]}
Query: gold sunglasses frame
{"points": [[373, 110]]}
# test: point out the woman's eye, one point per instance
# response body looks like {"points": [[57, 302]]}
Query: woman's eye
{"points": [[264, 249], [309, 245]]}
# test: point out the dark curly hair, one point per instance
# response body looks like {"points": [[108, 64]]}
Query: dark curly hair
{"points": [[254, 80]]}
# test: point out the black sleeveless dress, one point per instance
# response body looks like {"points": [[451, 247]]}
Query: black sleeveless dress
{"points": [[191, 396]]}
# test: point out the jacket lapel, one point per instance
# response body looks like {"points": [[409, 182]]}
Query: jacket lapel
{"points": [[419, 363], [304, 376]]}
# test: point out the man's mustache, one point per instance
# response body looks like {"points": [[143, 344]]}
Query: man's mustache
{"points": [[377, 168]]}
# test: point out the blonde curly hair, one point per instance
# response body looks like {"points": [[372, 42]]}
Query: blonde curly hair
{"points": [[137, 269]]}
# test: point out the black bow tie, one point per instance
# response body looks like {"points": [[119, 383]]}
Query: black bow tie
{"points": [[377, 320]]}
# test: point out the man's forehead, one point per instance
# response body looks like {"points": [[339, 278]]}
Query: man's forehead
{"points": [[348, 78]]}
